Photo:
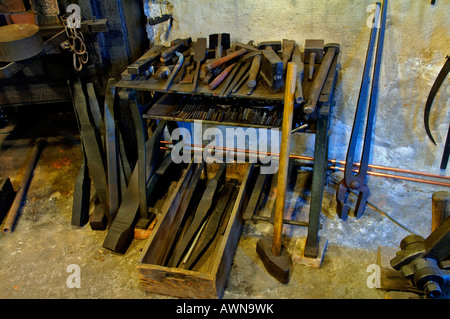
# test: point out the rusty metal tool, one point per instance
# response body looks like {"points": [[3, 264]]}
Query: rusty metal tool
{"points": [[209, 199], [297, 59], [313, 54], [176, 45], [144, 62], [286, 53], [356, 182], [175, 71], [13, 212], [271, 252], [199, 56], [272, 70]]}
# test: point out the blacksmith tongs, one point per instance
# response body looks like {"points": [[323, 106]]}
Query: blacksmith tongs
{"points": [[356, 182]]}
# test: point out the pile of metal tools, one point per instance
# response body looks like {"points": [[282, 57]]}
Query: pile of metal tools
{"points": [[207, 109]]}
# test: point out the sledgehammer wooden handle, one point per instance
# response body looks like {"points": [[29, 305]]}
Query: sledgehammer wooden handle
{"points": [[291, 77]]}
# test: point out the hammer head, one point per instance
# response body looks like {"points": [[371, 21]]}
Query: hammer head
{"points": [[314, 46], [184, 42], [275, 45], [277, 266]]}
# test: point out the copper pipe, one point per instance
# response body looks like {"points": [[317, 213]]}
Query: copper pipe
{"points": [[307, 158]]}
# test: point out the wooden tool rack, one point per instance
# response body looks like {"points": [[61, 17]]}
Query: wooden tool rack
{"points": [[159, 279]]}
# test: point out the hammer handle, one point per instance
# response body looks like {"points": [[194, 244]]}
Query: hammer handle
{"points": [[216, 82], [254, 70], [218, 62], [284, 157]]}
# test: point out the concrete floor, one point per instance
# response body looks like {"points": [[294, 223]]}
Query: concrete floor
{"points": [[35, 257]]}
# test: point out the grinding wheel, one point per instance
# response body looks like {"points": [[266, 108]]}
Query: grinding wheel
{"points": [[19, 42]]}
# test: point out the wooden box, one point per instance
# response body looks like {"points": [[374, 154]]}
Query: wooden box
{"points": [[209, 279]]}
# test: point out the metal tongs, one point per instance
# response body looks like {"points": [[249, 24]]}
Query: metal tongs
{"points": [[351, 181]]}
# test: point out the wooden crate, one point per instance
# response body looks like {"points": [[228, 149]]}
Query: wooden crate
{"points": [[209, 280]]}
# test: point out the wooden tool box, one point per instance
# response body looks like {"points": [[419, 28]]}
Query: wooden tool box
{"points": [[208, 277]]}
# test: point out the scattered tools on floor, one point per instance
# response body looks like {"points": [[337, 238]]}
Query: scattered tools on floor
{"points": [[367, 95], [271, 252], [11, 217]]}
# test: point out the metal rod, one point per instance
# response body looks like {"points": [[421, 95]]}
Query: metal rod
{"points": [[333, 161], [26, 179]]}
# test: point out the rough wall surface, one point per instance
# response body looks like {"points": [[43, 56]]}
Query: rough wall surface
{"points": [[417, 40]]}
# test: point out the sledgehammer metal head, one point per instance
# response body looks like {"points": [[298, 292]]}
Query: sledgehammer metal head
{"points": [[277, 266]]}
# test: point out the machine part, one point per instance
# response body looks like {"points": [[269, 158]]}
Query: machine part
{"points": [[199, 56], [331, 49], [446, 152], [313, 54], [434, 89], [14, 67], [176, 45], [19, 42], [219, 42], [174, 72], [297, 59], [203, 210], [13, 212], [286, 53], [275, 259], [352, 181], [424, 261]]}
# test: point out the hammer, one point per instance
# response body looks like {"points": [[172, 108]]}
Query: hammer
{"points": [[177, 44], [273, 256], [313, 54]]}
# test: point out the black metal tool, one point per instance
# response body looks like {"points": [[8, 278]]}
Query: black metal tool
{"points": [[205, 206], [434, 89], [446, 154], [353, 181], [199, 56], [212, 225]]}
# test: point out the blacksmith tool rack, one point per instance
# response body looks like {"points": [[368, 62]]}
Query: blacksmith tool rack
{"points": [[223, 84]]}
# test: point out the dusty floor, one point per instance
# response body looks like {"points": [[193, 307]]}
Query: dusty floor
{"points": [[34, 259]]}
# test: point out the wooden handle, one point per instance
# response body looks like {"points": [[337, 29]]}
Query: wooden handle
{"points": [[440, 206], [254, 70], [284, 156], [217, 62], [215, 83]]}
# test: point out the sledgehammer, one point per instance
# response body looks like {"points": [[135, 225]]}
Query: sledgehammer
{"points": [[272, 254]]}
